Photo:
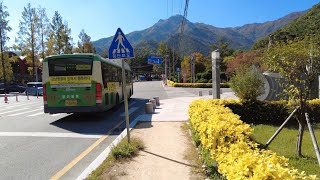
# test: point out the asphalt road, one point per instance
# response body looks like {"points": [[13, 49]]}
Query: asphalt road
{"points": [[34, 145]]}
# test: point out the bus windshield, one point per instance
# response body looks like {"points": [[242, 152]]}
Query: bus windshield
{"points": [[70, 66]]}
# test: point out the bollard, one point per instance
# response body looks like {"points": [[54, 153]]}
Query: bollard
{"points": [[200, 93], [153, 101], [37, 94], [5, 99], [157, 100], [27, 96], [149, 108], [210, 92], [17, 97]]}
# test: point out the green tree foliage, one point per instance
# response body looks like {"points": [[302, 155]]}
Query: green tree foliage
{"points": [[5, 71], [225, 51], [26, 41], [247, 83], [306, 25], [60, 41], [298, 62], [85, 45], [43, 28]]}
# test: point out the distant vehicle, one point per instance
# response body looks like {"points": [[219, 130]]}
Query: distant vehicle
{"points": [[142, 77], [12, 88], [34, 88], [149, 78]]}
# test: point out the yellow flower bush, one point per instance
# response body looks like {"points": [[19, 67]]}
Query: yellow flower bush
{"points": [[229, 141]]}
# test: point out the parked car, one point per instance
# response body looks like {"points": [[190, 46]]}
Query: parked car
{"points": [[12, 88], [34, 88]]}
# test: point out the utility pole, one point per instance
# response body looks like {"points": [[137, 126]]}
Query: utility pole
{"points": [[2, 58], [192, 64], [165, 69], [173, 70]]}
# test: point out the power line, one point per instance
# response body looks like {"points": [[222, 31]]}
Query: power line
{"points": [[182, 25]]}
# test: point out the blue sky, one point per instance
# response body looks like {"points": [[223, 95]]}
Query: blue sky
{"points": [[101, 18]]}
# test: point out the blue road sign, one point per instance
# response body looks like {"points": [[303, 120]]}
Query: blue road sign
{"points": [[154, 59], [120, 47], [178, 69]]}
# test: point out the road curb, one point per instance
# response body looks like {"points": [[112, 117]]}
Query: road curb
{"points": [[99, 160]]}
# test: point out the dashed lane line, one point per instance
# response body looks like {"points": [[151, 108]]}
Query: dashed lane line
{"points": [[49, 134]]}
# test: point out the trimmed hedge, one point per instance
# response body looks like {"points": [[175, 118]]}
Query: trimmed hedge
{"points": [[271, 112], [196, 85], [229, 141]]}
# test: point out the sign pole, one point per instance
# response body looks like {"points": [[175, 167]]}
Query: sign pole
{"points": [[124, 88]]}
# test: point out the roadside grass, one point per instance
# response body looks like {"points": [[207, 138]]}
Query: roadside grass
{"points": [[200, 156], [122, 152], [285, 144]]}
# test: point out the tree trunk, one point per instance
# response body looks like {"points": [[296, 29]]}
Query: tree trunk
{"points": [[301, 121], [300, 136]]}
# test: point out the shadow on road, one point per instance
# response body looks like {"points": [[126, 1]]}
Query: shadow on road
{"points": [[101, 123]]}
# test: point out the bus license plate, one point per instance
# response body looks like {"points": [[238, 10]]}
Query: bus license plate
{"points": [[71, 102]]}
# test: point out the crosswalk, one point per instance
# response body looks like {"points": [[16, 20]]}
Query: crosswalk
{"points": [[30, 108]]}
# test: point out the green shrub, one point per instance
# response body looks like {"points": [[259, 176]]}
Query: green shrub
{"points": [[125, 150], [202, 81], [199, 85], [247, 84]]}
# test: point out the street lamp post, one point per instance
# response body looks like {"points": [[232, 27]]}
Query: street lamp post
{"points": [[216, 74]]}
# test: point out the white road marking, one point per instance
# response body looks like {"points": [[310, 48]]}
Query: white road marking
{"points": [[13, 110], [16, 114], [13, 106], [48, 134], [40, 113], [55, 114]]}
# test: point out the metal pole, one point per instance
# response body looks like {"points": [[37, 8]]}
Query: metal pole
{"points": [[281, 127], [314, 141], [165, 69], [124, 88], [216, 74]]}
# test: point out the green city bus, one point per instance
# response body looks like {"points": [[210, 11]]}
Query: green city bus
{"points": [[74, 83]]}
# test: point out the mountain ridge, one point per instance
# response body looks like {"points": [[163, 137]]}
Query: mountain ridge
{"points": [[201, 34]]}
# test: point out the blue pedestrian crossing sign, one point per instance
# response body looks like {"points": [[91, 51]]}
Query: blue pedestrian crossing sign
{"points": [[120, 47]]}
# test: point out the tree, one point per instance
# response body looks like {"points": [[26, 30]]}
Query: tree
{"points": [[85, 45], [225, 51], [4, 28], [27, 34], [43, 28], [245, 59], [60, 41], [298, 62], [66, 39]]}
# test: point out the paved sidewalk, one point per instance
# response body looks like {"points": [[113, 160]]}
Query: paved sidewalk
{"points": [[165, 141]]}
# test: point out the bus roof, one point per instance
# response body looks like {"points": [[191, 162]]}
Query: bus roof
{"points": [[96, 57]]}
